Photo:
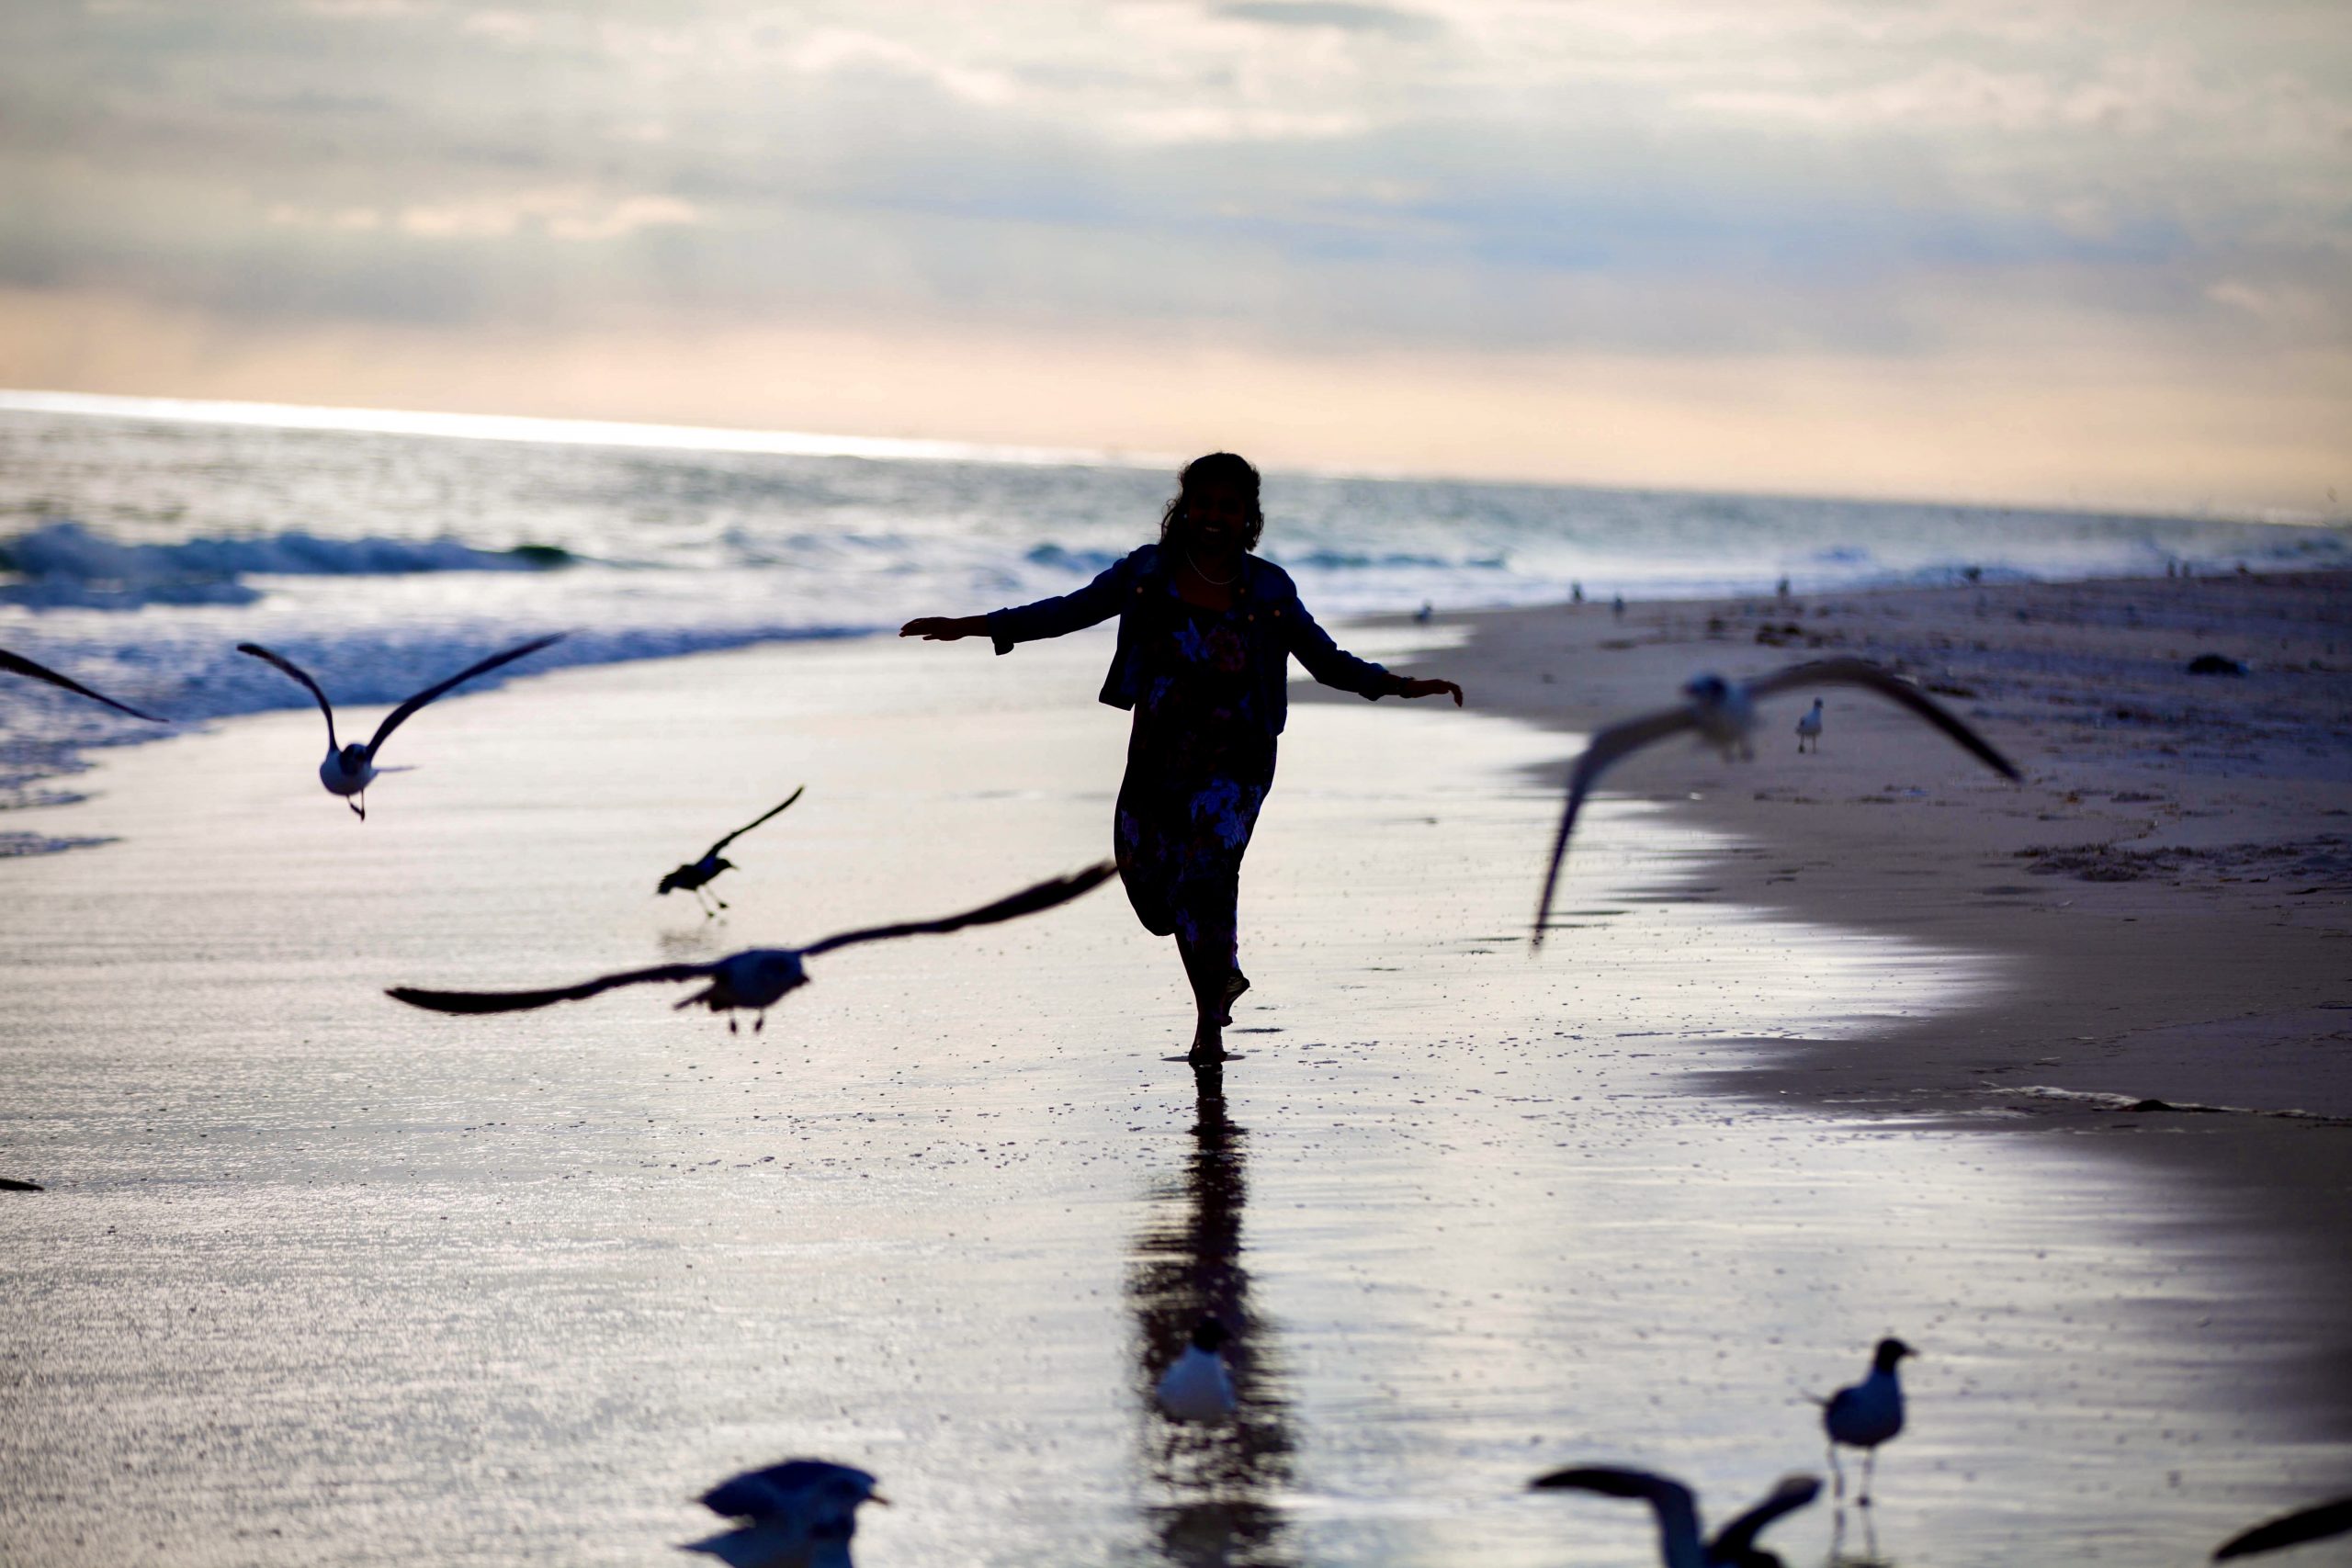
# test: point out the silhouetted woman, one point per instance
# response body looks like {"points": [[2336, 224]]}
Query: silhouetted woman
{"points": [[1205, 633]]}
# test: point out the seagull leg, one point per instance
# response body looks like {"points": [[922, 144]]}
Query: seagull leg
{"points": [[759, 1022], [359, 807], [731, 1024], [1838, 1471], [1869, 1469]]}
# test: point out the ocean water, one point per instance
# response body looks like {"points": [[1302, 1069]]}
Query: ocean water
{"points": [[140, 539]]}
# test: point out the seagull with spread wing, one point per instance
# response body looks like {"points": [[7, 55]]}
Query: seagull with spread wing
{"points": [[1723, 713], [348, 769], [1679, 1544], [757, 979], [694, 875], [16, 663], [799, 1514]]}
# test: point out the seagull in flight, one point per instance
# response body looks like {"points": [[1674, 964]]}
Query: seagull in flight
{"points": [[695, 875], [799, 1514], [348, 769], [1678, 1541], [757, 979], [2319, 1523], [16, 663], [1724, 714], [1866, 1413]]}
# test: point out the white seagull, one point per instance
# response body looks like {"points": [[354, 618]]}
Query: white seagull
{"points": [[696, 875], [1809, 728], [1724, 714], [799, 1514], [1866, 1413], [757, 979], [2322, 1522], [1679, 1541], [20, 664], [348, 769], [1197, 1385]]}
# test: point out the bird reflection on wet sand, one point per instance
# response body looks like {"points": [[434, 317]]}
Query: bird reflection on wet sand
{"points": [[1216, 1484]]}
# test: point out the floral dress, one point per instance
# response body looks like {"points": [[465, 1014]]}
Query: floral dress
{"points": [[1199, 761]]}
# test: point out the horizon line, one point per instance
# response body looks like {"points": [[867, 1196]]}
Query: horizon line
{"points": [[640, 436]]}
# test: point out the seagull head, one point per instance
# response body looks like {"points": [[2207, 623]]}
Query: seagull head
{"points": [[352, 760], [1889, 1351], [1708, 690]]}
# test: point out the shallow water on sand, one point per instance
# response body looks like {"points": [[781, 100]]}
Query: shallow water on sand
{"points": [[319, 1279]]}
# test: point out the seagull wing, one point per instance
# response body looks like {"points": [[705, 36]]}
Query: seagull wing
{"points": [[1677, 1511], [1607, 745], [1869, 677], [258, 652], [2290, 1530], [517, 1001], [1736, 1542], [393, 719], [23, 666], [1028, 901], [751, 824]]}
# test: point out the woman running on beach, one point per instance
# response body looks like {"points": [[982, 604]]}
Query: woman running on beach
{"points": [[1205, 633]]}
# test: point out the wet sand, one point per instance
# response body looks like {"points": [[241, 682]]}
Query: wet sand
{"points": [[321, 1278]]}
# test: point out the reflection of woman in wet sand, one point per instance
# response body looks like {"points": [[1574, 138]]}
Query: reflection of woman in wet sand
{"points": [[1207, 631]]}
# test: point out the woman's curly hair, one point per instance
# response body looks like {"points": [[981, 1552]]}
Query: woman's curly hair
{"points": [[1218, 470]]}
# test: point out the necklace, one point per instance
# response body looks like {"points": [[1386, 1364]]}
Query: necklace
{"points": [[1205, 577]]}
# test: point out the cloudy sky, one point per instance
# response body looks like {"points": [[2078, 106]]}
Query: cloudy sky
{"points": [[2064, 251]]}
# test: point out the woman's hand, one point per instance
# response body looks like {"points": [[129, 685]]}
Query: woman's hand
{"points": [[1407, 686], [945, 629]]}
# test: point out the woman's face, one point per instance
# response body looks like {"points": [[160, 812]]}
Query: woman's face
{"points": [[1217, 517]]}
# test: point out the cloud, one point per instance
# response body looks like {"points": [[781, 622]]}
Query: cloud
{"points": [[1338, 15]]}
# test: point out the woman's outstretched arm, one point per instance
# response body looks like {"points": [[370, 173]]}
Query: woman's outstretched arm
{"points": [[1098, 601], [1334, 666]]}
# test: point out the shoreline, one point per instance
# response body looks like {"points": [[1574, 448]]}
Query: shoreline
{"points": [[2168, 894]]}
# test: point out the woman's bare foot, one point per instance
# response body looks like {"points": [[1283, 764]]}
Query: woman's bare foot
{"points": [[1208, 1043], [1235, 984]]}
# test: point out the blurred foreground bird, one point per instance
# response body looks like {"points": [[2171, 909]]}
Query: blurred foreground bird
{"points": [[1724, 714], [18, 664], [799, 1514], [1678, 1541], [696, 875], [1866, 1413], [348, 769], [2322, 1522], [757, 979], [1197, 1385]]}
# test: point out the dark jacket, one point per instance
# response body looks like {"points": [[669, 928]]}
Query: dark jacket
{"points": [[1136, 590]]}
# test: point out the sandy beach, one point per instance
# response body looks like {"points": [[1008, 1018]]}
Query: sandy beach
{"points": [[317, 1277]]}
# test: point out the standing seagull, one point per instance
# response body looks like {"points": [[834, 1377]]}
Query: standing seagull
{"points": [[348, 769], [1679, 1541], [1809, 728], [2319, 1523], [758, 977], [1866, 1413], [695, 875], [18, 664], [1724, 713], [1197, 1385], [799, 1514]]}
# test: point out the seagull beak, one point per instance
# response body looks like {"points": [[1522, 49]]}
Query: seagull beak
{"points": [[878, 1499]]}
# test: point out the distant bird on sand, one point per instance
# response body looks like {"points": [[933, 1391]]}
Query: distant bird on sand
{"points": [[348, 769], [1197, 1385], [758, 977], [18, 664], [799, 1514], [1679, 1544], [695, 875], [2320, 1523], [1724, 714], [1866, 1413], [1809, 728]]}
